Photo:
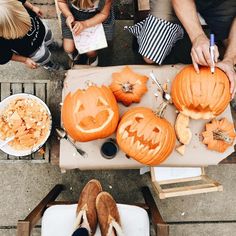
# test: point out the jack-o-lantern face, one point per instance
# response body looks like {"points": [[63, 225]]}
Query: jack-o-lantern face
{"points": [[145, 137], [200, 95], [90, 114]]}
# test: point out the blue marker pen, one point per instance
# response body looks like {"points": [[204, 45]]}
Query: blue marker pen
{"points": [[212, 52]]}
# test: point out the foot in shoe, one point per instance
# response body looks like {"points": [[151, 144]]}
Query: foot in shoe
{"points": [[108, 215], [93, 61], [86, 209], [52, 66]]}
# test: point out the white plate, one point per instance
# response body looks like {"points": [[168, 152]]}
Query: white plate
{"points": [[3, 105]]}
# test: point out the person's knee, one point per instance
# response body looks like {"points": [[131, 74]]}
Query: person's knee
{"points": [[91, 54], [148, 61], [69, 46]]}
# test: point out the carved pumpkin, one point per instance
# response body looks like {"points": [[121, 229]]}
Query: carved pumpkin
{"points": [[182, 130], [90, 114], [128, 86], [219, 135], [200, 96], [145, 137]]}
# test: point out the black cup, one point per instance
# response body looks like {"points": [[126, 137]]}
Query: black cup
{"points": [[109, 149]]}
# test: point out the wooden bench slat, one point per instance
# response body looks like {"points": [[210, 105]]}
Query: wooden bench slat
{"points": [[5, 90], [28, 88], [16, 88], [40, 91]]}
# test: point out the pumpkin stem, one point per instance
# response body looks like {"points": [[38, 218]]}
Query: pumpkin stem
{"points": [[161, 109], [127, 87], [220, 135]]}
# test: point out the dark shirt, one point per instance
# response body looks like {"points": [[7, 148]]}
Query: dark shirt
{"points": [[23, 46]]}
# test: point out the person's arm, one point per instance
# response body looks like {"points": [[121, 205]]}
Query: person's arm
{"points": [[33, 8], [227, 64], [65, 10], [27, 61], [97, 19], [187, 14]]}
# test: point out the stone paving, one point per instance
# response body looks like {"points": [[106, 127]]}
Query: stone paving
{"points": [[23, 184]]}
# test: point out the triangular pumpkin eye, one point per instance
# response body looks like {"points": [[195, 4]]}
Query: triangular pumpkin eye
{"points": [[156, 130], [81, 108], [101, 102]]}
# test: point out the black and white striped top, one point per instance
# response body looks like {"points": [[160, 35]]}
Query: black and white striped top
{"points": [[156, 37]]}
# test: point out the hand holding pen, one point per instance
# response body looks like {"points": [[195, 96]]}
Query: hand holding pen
{"points": [[212, 52], [200, 52]]}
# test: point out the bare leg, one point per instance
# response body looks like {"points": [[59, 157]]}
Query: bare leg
{"points": [[92, 54], [148, 61], [92, 58], [69, 47]]}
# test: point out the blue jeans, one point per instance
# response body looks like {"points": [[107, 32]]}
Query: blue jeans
{"points": [[81, 232]]}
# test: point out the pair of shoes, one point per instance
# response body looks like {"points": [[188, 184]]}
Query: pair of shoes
{"points": [[53, 66], [97, 206], [92, 61]]}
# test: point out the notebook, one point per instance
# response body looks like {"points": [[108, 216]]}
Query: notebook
{"points": [[91, 39]]}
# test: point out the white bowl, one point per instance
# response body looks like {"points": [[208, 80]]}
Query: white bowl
{"points": [[3, 105]]}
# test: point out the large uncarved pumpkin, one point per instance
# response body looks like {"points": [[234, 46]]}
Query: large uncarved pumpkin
{"points": [[145, 137], [128, 86], [200, 96], [90, 114], [219, 135]]}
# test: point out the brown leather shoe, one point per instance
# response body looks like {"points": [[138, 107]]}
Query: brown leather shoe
{"points": [[86, 209], [108, 215]]}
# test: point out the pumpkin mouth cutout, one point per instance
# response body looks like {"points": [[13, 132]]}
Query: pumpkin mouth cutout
{"points": [[134, 139], [91, 122], [199, 108]]}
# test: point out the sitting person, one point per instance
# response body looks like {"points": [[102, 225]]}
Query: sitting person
{"points": [[96, 206], [160, 31], [23, 36], [78, 15]]}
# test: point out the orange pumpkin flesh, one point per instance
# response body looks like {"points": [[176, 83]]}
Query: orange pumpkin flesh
{"points": [[145, 137], [219, 135], [128, 86], [200, 96], [182, 129], [90, 114]]}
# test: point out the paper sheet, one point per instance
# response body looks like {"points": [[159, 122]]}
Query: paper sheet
{"points": [[91, 39], [168, 173]]}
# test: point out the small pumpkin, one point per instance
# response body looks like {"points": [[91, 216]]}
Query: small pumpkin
{"points": [[128, 86], [90, 114], [200, 96], [182, 130], [219, 135], [144, 136]]}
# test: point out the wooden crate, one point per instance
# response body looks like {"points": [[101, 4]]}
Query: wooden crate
{"points": [[206, 185], [39, 88]]}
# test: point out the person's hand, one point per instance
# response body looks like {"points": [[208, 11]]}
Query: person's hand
{"points": [[30, 63], [227, 66], [78, 27], [38, 11], [69, 21], [200, 52]]}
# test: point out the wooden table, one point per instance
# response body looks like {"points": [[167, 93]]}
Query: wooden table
{"points": [[196, 153]]}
